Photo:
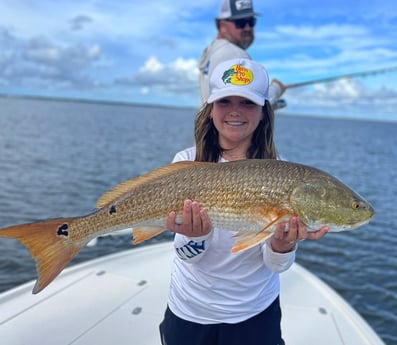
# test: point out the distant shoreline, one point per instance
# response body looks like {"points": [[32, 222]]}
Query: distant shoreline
{"points": [[92, 101], [282, 112]]}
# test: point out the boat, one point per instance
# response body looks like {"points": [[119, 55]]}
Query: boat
{"points": [[121, 298]]}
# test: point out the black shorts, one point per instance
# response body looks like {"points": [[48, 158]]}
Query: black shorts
{"points": [[261, 329]]}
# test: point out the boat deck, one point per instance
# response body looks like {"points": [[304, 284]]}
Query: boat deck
{"points": [[120, 299]]}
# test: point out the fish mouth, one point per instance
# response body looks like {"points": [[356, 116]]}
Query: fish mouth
{"points": [[356, 225], [337, 228], [332, 227]]}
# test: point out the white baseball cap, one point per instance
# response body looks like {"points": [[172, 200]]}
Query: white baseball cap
{"points": [[235, 9], [239, 77]]}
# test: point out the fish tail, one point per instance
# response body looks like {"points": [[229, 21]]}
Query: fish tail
{"points": [[49, 244]]}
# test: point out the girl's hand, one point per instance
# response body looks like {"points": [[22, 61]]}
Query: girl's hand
{"points": [[195, 221], [283, 242]]}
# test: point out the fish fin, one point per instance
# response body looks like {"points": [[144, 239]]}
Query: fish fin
{"points": [[124, 187], [143, 233], [279, 218], [48, 244], [248, 240]]}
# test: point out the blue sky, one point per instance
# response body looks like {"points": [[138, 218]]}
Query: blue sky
{"points": [[147, 51]]}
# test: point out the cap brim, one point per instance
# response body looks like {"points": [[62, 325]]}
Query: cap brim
{"points": [[227, 92]]}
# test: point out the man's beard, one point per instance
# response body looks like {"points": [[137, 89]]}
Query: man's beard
{"points": [[246, 40]]}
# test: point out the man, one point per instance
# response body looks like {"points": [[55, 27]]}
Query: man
{"points": [[235, 23]]}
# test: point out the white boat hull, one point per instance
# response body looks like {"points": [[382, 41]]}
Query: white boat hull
{"points": [[120, 299]]}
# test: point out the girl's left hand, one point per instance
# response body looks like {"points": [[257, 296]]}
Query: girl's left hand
{"points": [[283, 242]]}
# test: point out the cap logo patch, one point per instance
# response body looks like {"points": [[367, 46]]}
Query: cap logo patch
{"points": [[237, 75], [243, 4]]}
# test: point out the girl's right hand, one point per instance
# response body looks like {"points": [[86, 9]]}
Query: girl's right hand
{"points": [[195, 221]]}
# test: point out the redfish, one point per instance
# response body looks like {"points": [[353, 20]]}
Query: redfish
{"points": [[248, 197]]}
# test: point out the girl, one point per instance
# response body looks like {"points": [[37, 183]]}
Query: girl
{"points": [[217, 297]]}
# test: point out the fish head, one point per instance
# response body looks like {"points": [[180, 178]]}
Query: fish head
{"points": [[327, 201]]}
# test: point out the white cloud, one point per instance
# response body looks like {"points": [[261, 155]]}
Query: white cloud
{"points": [[186, 65], [345, 97], [179, 76], [40, 61], [145, 90], [344, 90], [152, 65]]}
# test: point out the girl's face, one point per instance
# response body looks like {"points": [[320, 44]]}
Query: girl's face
{"points": [[236, 119]]}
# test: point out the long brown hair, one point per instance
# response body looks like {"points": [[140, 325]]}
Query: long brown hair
{"points": [[207, 143]]}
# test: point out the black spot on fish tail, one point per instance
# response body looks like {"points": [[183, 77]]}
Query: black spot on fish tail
{"points": [[112, 209], [62, 230]]}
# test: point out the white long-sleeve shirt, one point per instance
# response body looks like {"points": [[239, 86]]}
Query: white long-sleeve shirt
{"points": [[211, 285]]}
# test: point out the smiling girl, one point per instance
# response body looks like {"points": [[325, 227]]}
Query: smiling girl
{"points": [[217, 297]]}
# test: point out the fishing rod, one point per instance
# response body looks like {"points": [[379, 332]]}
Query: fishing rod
{"points": [[344, 76]]}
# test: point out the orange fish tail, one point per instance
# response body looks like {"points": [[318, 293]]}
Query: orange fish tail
{"points": [[49, 244]]}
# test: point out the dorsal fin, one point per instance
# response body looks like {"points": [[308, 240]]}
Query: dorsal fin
{"points": [[124, 187]]}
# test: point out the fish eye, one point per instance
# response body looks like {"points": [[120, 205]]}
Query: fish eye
{"points": [[355, 205]]}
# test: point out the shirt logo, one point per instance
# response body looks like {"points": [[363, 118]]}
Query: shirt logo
{"points": [[237, 75], [190, 250]]}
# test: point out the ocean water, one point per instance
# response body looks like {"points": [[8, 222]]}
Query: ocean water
{"points": [[57, 158]]}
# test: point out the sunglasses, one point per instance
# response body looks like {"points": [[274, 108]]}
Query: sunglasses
{"points": [[241, 23]]}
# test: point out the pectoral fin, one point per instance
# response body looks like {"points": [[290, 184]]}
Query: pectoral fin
{"points": [[248, 239]]}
